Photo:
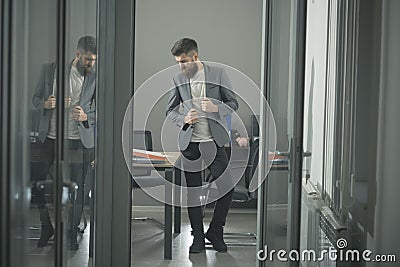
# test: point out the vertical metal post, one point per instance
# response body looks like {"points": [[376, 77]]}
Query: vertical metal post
{"points": [[105, 98], [296, 146], [114, 88], [59, 155], [265, 79], [168, 215], [13, 134], [5, 34]]}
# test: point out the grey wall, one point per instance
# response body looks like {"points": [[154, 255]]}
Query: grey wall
{"points": [[281, 100], [366, 112], [227, 31], [42, 24], [112, 199]]}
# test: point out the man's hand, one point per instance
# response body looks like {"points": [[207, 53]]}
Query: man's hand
{"points": [[208, 106], [78, 114], [242, 141], [50, 103], [191, 117], [67, 102]]}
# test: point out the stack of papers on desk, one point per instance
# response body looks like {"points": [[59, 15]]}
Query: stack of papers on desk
{"points": [[278, 159], [145, 157]]}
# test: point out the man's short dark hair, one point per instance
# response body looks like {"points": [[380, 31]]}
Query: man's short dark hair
{"points": [[184, 46], [87, 44]]}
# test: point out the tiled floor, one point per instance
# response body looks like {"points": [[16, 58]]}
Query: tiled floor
{"points": [[147, 243], [42, 257]]}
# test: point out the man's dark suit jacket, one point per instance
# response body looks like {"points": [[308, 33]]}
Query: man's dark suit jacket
{"points": [[44, 89], [218, 90]]}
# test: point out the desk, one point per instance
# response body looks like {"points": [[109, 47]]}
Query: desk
{"points": [[173, 176]]}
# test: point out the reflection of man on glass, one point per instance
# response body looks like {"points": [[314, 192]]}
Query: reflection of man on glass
{"points": [[204, 91], [79, 129]]}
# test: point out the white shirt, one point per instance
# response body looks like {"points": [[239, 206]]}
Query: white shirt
{"points": [[201, 129], [75, 82]]}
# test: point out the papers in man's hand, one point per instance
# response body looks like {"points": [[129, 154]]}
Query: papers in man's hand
{"points": [[144, 156]]}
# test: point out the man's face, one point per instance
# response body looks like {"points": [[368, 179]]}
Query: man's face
{"points": [[187, 64], [87, 60]]}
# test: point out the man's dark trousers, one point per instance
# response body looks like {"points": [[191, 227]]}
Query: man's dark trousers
{"points": [[217, 167]]}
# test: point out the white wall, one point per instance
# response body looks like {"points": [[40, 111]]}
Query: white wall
{"points": [[315, 79]]}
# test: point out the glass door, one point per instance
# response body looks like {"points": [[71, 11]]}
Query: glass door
{"points": [[279, 197]]}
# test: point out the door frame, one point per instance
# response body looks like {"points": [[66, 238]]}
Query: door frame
{"points": [[298, 29], [113, 201]]}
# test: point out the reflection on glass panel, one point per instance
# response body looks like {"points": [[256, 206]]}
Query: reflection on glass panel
{"points": [[79, 114], [79, 135], [41, 56], [79, 129]]}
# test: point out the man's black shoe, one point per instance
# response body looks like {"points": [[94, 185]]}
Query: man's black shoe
{"points": [[73, 246], [73, 240], [45, 234], [198, 243], [215, 236]]}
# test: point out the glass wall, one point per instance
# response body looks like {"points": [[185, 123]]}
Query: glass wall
{"points": [[41, 46], [48, 119], [80, 56], [14, 139]]}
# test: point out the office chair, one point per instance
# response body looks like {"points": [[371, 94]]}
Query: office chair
{"points": [[142, 139], [241, 193]]}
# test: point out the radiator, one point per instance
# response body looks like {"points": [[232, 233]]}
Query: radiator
{"points": [[320, 230], [309, 233], [330, 234]]}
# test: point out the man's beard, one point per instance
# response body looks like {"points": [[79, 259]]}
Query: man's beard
{"points": [[191, 70], [83, 69]]}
